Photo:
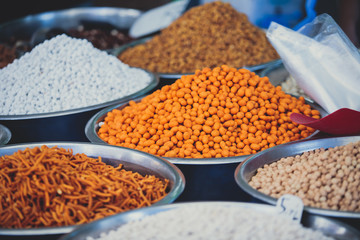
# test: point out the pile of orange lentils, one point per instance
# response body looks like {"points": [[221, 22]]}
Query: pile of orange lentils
{"points": [[219, 112]]}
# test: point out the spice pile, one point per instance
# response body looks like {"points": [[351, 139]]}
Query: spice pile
{"points": [[211, 221], [218, 112], [208, 35], [7, 55], [47, 187], [65, 73], [101, 38], [328, 179]]}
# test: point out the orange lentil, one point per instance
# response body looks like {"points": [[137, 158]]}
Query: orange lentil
{"points": [[261, 119]]}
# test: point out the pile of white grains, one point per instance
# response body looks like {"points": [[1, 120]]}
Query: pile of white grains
{"points": [[212, 221], [290, 86], [65, 73], [322, 178]]}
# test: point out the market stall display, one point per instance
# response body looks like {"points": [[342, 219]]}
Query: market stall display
{"points": [[323, 172], [52, 187], [212, 125], [205, 36], [105, 27], [64, 76], [215, 113], [212, 220], [229, 110]]}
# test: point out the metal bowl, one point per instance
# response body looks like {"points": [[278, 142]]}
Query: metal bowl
{"points": [[133, 160], [174, 76], [248, 168], [65, 125], [5, 135], [94, 123], [24, 28], [327, 226], [218, 172]]}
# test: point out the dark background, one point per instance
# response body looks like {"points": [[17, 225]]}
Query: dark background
{"points": [[345, 12]]}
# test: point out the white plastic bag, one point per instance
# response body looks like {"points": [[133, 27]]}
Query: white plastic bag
{"points": [[322, 60]]}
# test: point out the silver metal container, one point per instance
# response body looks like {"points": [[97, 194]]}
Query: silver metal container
{"points": [[5, 135], [133, 160], [208, 178], [171, 77], [248, 168], [63, 125], [25, 28], [329, 227]]}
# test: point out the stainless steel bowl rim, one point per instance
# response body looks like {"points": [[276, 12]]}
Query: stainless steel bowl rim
{"points": [[177, 189], [99, 11], [306, 145], [153, 83], [115, 221], [121, 49], [93, 137]]}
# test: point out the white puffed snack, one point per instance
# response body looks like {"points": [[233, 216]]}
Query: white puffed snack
{"points": [[65, 73], [208, 221]]}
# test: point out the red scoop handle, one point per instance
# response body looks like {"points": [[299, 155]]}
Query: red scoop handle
{"points": [[344, 121]]}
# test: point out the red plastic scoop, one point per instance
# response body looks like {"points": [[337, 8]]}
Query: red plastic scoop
{"points": [[344, 121]]}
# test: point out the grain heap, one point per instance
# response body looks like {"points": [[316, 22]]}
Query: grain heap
{"points": [[101, 38], [208, 35], [65, 73], [47, 187], [328, 179], [211, 221], [290, 86], [218, 112]]}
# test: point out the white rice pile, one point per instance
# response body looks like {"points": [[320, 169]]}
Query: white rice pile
{"points": [[209, 221]]}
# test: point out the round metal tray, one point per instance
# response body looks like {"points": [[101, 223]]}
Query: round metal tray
{"points": [[327, 226], [248, 168], [5, 135], [132, 160], [93, 125], [175, 76]]}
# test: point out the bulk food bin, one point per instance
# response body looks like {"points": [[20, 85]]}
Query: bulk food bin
{"points": [[202, 219], [132, 160], [171, 77], [250, 167], [207, 178], [194, 41], [67, 124], [26, 32]]}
